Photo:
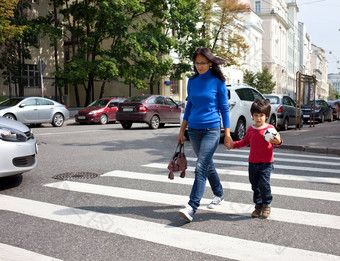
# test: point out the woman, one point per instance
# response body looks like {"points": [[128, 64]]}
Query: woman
{"points": [[207, 100]]}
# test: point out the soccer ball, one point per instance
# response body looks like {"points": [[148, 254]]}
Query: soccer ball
{"points": [[269, 134]]}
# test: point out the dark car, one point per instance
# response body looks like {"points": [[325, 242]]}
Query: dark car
{"points": [[102, 110], [155, 110], [335, 105], [322, 111], [286, 111]]}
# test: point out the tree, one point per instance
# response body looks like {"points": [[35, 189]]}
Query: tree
{"points": [[220, 26], [140, 36], [262, 81], [7, 28], [333, 94]]}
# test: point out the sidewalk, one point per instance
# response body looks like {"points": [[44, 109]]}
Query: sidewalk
{"points": [[323, 138]]}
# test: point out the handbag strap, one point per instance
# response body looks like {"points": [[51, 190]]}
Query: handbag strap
{"points": [[180, 147]]}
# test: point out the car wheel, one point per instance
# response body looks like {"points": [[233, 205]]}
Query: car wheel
{"points": [[331, 118], [154, 122], [272, 121], [240, 130], [57, 120], [126, 125], [322, 119], [10, 116], [285, 124], [103, 119]]}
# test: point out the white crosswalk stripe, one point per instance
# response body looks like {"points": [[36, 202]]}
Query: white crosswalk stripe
{"points": [[225, 246], [206, 243], [245, 173], [292, 216], [303, 193]]}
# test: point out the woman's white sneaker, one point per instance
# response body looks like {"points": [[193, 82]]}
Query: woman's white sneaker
{"points": [[187, 212], [216, 202]]}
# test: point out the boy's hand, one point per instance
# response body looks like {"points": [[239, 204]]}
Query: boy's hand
{"points": [[276, 140]]}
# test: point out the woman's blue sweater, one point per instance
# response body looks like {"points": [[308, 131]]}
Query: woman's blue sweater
{"points": [[207, 100]]}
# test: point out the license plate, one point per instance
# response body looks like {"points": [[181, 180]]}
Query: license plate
{"points": [[81, 117], [306, 116], [127, 109]]}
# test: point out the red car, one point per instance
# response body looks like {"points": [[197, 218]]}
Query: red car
{"points": [[102, 110], [155, 110]]}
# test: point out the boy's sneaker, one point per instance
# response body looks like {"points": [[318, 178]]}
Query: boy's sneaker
{"points": [[257, 212], [187, 212], [216, 202], [266, 212]]}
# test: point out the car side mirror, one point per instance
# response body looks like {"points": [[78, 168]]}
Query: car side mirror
{"points": [[22, 105]]}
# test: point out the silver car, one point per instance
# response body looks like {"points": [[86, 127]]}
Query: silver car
{"points": [[35, 110], [286, 112], [18, 148]]}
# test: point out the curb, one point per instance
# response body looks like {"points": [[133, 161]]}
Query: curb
{"points": [[311, 149]]}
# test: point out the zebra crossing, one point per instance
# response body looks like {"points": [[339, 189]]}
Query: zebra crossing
{"points": [[193, 238]]}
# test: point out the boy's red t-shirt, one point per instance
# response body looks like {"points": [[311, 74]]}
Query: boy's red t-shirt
{"points": [[261, 151]]}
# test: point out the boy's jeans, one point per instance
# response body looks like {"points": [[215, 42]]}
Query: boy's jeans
{"points": [[259, 177], [204, 143]]}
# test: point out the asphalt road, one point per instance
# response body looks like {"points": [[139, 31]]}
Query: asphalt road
{"points": [[129, 211]]}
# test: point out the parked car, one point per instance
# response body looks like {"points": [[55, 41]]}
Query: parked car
{"points": [[240, 99], [155, 110], [286, 111], [35, 110], [322, 111], [335, 106], [18, 148], [101, 110]]}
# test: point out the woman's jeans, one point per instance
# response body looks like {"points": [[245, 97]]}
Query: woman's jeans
{"points": [[204, 143], [259, 177]]}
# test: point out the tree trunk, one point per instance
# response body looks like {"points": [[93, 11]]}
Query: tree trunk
{"points": [[102, 89]]}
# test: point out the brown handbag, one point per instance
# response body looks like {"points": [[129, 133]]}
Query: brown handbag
{"points": [[178, 162]]}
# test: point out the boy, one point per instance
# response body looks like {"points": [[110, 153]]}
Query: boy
{"points": [[260, 157]]}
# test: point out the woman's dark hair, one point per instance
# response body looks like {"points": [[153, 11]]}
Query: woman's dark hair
{"points": [[260, 106], [216, 61]]}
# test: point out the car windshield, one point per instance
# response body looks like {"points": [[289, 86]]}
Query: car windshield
{"points": [[98, 103], [137, 98], [273, 99], [11, 102]]}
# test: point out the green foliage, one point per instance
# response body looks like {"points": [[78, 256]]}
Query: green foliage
{"points": [[333, 94], [8, 30], [262, 81], [220, 21]]}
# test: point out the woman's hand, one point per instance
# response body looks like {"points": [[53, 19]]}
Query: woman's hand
{"points": [[180, 138]]}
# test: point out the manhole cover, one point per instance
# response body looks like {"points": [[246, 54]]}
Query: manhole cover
{"points": [[76, 175]]}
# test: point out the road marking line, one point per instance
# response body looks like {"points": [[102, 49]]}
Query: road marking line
{"points": [[234, 208], [280, 159], [12, 253], [245, 173], [277, 166], [203, 242], [302, 193], [317, 156]]}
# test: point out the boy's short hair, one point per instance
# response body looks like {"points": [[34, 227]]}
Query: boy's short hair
{"points": [[260, 106]]}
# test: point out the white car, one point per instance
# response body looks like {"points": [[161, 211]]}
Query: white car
{"points": [[35, 110], [240, 99], [18, 148]]}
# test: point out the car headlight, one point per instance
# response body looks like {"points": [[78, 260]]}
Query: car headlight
{"points": [[13, 135], [92, 112]]}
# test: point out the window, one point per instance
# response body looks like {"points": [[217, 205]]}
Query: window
{"points": [[30, 102], [160, 100], [257, 6], [174, 86], [31, 76], [44, 102], [171, 102]]}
